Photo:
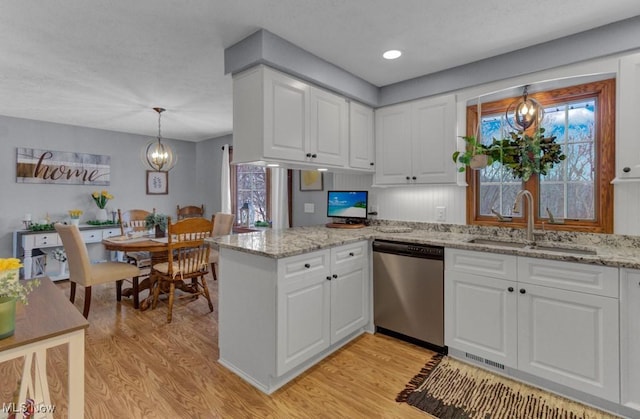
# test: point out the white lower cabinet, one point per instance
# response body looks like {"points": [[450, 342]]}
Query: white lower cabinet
{"points": [[630, 337], [322, 298], [278, 317], [480, 308], [566, 336]]}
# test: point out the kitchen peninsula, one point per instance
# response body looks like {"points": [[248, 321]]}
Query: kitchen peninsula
{"points": [[288, 298]]}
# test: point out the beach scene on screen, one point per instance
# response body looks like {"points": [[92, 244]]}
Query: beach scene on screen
{"points": [[348, 205]]}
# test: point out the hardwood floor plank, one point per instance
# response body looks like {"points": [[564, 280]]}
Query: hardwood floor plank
{"points": [[138, 366]]}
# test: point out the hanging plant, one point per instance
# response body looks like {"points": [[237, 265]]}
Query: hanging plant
{"points": [[476, 155], [523, 155]]}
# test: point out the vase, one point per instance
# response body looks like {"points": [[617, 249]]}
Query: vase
{"points": [[75, 221], [7, 316], [479, 161], [63, 268], [159, 232], [102, 215]]}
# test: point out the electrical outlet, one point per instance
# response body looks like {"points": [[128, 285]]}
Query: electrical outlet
{"points": [[441, 213]]}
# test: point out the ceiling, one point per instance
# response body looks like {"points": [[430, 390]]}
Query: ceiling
{"points": [[105, 64]]}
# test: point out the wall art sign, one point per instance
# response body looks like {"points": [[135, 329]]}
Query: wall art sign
{"points": [[67, 167], [157, 183]]}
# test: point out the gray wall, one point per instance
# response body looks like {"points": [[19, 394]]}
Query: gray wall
{"points": [[318, 198], [128, 175]]}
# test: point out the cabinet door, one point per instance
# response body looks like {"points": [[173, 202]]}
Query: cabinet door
{"points": [[570, 338], [630, 337], [480, 316], [328, 128], [361, 138], [433, 139], [286, 107], [349, 289], [393, 144], [303, 310], [627, 145]]}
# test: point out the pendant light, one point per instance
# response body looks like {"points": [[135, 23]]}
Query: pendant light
{"points": [[157, 155], [524, 113]]}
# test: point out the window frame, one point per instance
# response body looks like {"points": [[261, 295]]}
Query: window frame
{"points": [[233, 181], [604, 93]]}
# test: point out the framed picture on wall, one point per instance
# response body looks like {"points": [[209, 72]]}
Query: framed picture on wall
{"points": [[157, 183], [310, 180]]}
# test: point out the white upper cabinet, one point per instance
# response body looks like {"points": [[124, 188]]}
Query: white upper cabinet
{"points": [[627, 144], [361, 137], [415, 141], [277, 118]]}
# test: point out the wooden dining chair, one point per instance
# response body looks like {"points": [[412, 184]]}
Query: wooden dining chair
{"points": [[190, 211], [222, 226], [188, 256], [82, 272], [133, 221]]}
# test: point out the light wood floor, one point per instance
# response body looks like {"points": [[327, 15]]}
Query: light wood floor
{"points": [[138, 366]]}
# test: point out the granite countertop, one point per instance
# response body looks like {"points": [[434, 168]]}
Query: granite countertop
{"points": [[609, 249]]}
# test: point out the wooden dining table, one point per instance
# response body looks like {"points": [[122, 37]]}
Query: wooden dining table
{"points": [[157, 248]]}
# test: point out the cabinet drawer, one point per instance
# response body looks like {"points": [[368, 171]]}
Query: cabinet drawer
{"points": [[592, 279], [349, 255], [91, 236], [297, 267], [493, 265], [43, 240], [110, 232]]}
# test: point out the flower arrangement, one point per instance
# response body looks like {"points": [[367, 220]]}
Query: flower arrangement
{"points": [[59, 255], [101, 198], [75, 213], [10, 286]]}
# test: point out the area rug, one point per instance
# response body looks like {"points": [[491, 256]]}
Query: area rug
{"points": [[447, 388]]}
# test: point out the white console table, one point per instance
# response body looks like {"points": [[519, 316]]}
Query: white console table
{"points": [[26, 241]]}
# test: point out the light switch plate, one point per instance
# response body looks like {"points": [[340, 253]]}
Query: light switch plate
{"points": [[310, 208]]}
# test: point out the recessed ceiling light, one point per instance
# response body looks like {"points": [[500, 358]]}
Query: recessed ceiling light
{"points": [[392, 54]]}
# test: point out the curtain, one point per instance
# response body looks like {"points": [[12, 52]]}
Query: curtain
{"points": [[225, 183], [279, 198]]}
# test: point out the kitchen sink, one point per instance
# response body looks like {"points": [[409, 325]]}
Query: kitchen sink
{"points": [[498, 242], [563, 249], [545, 247]]}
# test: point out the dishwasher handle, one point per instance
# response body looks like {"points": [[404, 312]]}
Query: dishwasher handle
{"points": [[408, 249]]}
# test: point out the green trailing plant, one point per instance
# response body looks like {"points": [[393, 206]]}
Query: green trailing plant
{"points": [[520, 153], [523, 154], [154, 220], [475, 148]]}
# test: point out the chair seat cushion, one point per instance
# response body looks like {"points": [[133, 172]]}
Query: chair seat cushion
{"points": [[163, 268], [213, 256], [141, 259], [111, 272]]}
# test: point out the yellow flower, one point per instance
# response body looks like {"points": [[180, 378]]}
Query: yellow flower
{"points": [[9, 264], [75, 213], [101, 198]]}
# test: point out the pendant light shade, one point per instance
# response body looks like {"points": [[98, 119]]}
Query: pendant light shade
{"points": [[524, 113], [157, 155]]}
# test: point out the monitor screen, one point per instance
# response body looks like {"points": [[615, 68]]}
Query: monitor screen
{"points": [[347, 204]]}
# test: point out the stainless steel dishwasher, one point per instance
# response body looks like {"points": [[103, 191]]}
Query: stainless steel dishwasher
{"points": [[408, 292]]}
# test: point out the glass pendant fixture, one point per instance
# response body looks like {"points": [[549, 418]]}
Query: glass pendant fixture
{"points": [[524, 113], [157, 155]]}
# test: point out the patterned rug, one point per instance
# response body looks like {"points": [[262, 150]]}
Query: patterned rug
{"points": [[447, 388]]}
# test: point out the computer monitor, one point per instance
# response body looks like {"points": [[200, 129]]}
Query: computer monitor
{"points": [[349, 205]]}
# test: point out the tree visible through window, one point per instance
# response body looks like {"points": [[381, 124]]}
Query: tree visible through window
{"points": [[576, 191], [252, 192]]}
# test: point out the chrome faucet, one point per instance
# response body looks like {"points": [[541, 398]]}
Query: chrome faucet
{"points": [[516, 209]]}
